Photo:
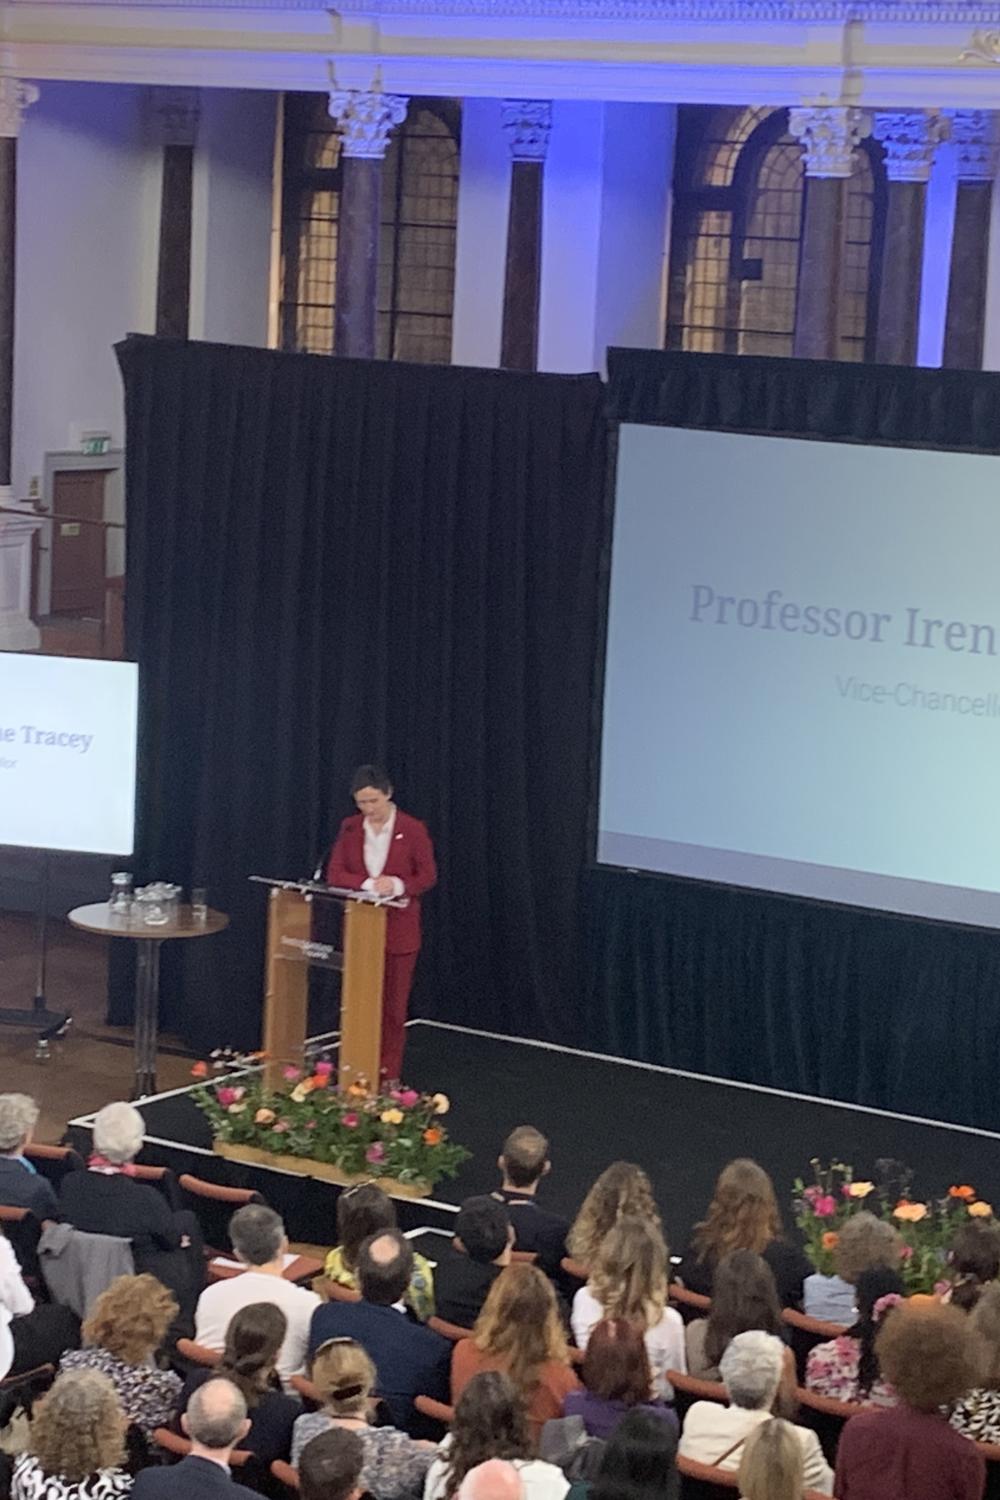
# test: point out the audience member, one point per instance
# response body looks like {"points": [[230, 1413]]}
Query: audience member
{"points": [[490, 1422], [331, 1470], [524, 1162], [249, 1359], [622, 1191], [847, 1367], [77, 1441], [639, 1462], [496, 1479], [394, 1465], [752, 1366], [772, 1467], [126, 1326], [629, 1280], [743, 1215], [617, 1379], [863, 1244], [259, 1242], [21, 1184], [216, 1422], [29, 1335], [744, 1297], [361, 1211], [409, 1359], [909, 1451], [484, 1239], [520, 1333], [977, 1414], [974, 1263]]}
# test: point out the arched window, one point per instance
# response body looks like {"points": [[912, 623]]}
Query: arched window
{"points": [[416, 270]]}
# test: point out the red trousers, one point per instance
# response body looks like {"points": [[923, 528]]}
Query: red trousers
{"points": [[396, 984]]}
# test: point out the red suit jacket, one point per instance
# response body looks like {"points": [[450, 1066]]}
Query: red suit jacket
{"points": [[411, 858]]}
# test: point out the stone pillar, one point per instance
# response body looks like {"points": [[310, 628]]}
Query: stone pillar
{"points": [[526, 124], [974, 134], [829, 136], [174, 119], [364, 121], [909, 139]]}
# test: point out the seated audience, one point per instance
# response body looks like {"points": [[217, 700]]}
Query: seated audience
{"points": [[409, 1359], [77, 1439], [520, 1333], [21, 1184], [622, 1191], [259, 1242], [331, 1470], [126, 1326], [865, 1243], [909, 1452], [216, 1423], [977, 1413], [639, 1462], [771, 1467], [496, 1479], [973, 1263], [249, 1360], [744, 1297], [361, 1211], [490, 1422], [394, 1465], [743, 1215], [629, 1280], [616, 1378], [524, 1162], [751, 1371], [29, 1335], [847, 1367], [484, 1240]]}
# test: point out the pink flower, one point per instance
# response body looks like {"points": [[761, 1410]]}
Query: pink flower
{"points": [[279, 1127], [323, 1068], [812, 1193], [408, 1098], [375, 1152], [395, 1094], [906, 1253], [845, 1191], [290, 1074], [310, 1124], [350, 1120], [226, 1097], [825, 1207]]}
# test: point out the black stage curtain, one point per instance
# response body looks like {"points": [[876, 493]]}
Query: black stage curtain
{"points": [[849, 1004], [331, 561]]}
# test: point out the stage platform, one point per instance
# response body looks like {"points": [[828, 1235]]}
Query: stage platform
{"points": [[681, 1127]]}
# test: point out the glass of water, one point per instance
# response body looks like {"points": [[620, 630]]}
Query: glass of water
{"points": [[199, 903]]}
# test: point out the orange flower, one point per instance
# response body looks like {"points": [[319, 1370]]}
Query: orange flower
{"points": [[433, 1136], [965, 1192], [357, 1091], [200, 1070], [910, 1213], [981, 1210], [830, 1239]]}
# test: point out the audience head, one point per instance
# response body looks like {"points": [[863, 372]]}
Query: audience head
{"points": [[520, 1325], [743, 1213], [78, 1427], [344, 1376], [524, 1159], [385, 1267], [118, 1133], [744, 1296], [772, 1467], [257, 1235], [361, 1211], [925, 1352], [330, 1466], [253, 1340], [496, 1479], [975, 1262], [130, 1319], [490, 1422], [483, 1226], [622, 1190], [629, 1274], [638, 1461], [879, 1290], [216, 1417], [616, 1364], [18, 1118], [751, 1369], [863, 1243], [984, 1331]]}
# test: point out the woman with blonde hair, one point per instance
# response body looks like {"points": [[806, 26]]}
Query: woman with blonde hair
{"points": [[519, 1333], [629, 1280], [772, 1467], [743, 1215], [77, 1443], [623, 1189], [126, 1326]]}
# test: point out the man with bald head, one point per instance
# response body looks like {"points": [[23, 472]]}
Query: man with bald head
{"points": [[216, 1422], [496, 1479], [409, 1359]]}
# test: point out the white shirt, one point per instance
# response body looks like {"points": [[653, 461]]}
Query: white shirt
{"points": [[710, 1429], [540, 1480], [15, 1300], [217, 1305], [377, 841], [664, 1341]]}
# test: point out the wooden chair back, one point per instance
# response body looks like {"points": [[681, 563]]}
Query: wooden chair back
{"points": [[448, 1330], [162, 1178], [574, 1268], [806, 1333], [180, 1447], [285, 1474], [826, 1417], [524, 1257], [688, 1389], [214, 1204], [197, 1354], [438, 1411], [54, 1162]]}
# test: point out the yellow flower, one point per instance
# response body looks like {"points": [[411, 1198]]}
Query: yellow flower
{"points": [[264, 1117], [910, 1213], [981, 1210], [440, 1104], [302, 1090], [391, 1117], [861, 1189]]}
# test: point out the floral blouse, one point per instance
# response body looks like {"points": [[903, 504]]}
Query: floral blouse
{"points": [[419, 1295], [977, 1415], [394, 1465], [832, 1370], [148, 1396], [31, 1483]]}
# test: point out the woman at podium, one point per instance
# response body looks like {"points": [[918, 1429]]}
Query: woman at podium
{"points": [[383, 850]]}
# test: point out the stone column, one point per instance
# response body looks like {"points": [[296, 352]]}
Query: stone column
{"points": [[974, 134], [526, 124], [174, 121], [829, 136], [909, 139], [364, 121]]}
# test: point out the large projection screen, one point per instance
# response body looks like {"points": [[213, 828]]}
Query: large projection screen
{"points": [[67, 753], [802, 676]]}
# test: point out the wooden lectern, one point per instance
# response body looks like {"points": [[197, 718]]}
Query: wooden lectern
{"points": [[291, 952]]}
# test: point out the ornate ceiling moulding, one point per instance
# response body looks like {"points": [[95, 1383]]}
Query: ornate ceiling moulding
{"points": [[974, 13], [984, 47]]}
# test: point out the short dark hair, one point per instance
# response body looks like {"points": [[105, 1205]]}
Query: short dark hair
{"points": [[525, 1152], [256, 1233], [483, 1226], [383, 1281], [362, 1211], [370, 776], [330, 1465], [639, 1460]]}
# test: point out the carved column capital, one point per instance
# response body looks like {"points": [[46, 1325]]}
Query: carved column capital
{"points": [[829, 134], [974, 134], [15, 98], [365, 120], [910, 138], [526, 124]]}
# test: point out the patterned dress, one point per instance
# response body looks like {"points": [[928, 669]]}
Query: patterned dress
{"points": [[977, 1415], [148, 1396], [30, 1483], [394, 1466], [832, 1370]]}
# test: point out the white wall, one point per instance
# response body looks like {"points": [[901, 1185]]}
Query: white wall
{"points": [[481, 244]]}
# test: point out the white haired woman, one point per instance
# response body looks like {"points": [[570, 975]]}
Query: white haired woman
{"points": [[107, 1199], [751, 1368], [21, 1186]]}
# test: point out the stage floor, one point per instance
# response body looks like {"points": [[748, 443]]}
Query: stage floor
{"points": [[682, 1128]]}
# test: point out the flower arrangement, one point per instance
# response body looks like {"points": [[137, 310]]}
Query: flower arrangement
{"points": [[394, 1133], [823, 1206]]}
